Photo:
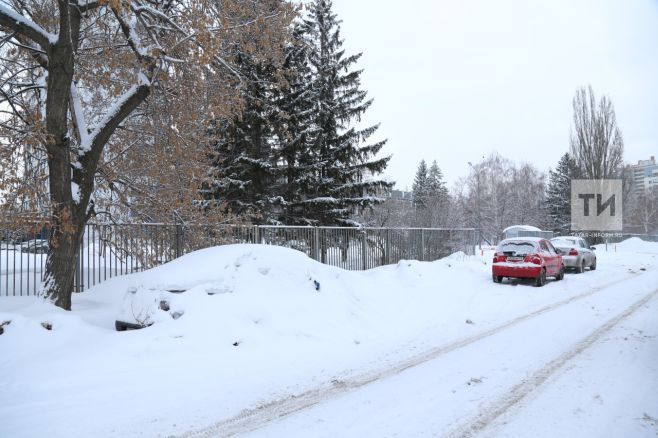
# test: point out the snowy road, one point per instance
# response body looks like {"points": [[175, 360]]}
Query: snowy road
{"points": [[412, 349], [500, 370]]}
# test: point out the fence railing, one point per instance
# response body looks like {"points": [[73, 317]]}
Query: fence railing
{"points": [[110, 250]]}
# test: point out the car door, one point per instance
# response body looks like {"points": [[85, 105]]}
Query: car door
{"points": [[555, 257], [549, 257], [588, 255]]}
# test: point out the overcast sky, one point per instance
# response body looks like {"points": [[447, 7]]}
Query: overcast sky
{"points": [[454, 80]]}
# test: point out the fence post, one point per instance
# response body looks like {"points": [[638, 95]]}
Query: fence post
{"points": [[178, 240], [388, 246], [422, 245], [256, 234], [316, 243], [77, 286], [364, 251]]}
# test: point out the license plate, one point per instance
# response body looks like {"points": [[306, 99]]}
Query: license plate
{"points": [[514, 259]]}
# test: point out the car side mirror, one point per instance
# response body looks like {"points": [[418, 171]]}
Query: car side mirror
{"points": [[558, 250], [592, 248]]}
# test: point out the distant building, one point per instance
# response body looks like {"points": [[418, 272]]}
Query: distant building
{"points": [[400, 195], [644, 174]]}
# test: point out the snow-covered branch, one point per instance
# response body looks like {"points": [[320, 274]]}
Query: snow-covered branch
{"points": [[26, 27]]}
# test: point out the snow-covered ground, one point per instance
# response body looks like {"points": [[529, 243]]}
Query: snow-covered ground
{"points": [[413, 349]]}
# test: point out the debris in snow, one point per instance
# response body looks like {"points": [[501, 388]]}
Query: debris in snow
{"points": [[47, 325], [649, 419], [236, 343], [4, 323], [468, 321], [643, 269], [316, 284], [475, 380], [164, 305]]}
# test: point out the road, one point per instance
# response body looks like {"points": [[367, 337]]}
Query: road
{"points": [[485, 384]]}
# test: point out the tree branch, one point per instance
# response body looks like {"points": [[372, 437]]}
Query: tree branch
{"points": [[24, 26]]}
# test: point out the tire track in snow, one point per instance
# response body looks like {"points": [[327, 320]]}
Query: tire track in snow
{"points": [[512, 398], [255, 418]]}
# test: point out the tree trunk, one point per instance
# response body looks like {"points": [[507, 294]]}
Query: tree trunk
{"points": [[60, 264]]}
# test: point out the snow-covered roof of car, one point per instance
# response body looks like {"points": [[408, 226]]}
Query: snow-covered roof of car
{"points": [[521, 227], [527, 239]]}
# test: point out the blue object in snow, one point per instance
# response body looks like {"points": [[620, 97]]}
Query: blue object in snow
{"points": [[317, 284]]}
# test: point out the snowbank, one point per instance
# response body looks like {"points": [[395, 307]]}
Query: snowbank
{"points": [[258, 322]]}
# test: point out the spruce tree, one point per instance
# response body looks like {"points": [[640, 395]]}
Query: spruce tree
{"points": [[295, 131], [558, 194], [243, 180], [343, 177], [420, 189], [436, 187]]}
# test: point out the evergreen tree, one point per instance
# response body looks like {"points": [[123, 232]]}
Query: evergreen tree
{"points": [[243, 178], [295, 130], [420, 189], [558, 194], [436, 187], [343, 177]]}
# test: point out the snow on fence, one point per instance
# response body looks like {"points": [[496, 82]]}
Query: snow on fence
{"points": [[109, 250]]}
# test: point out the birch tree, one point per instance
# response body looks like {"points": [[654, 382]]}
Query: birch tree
{"points": [[76, 71]]}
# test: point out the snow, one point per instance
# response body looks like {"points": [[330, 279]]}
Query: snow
{"points": [[23, 20], [75, 192], [83, 132], [524, 239], [258, 324], [521, 227]]}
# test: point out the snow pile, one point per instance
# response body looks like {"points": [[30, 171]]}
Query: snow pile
{"points": [[255, 323], [634, 245]]}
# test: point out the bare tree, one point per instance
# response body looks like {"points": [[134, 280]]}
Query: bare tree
{"points": [[596, 141], [75, 71]]}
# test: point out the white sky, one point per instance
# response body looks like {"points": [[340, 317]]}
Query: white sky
{"points": [[454, 80]]}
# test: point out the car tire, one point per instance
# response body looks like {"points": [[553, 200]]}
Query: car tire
{"points": [[497, 278], [541, 280], [593, 267], [581, 268], [560, 274]]}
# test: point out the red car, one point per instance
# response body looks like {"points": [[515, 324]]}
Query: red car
{"points": [[527, 257]]}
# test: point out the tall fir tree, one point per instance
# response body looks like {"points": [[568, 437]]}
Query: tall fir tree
{"points": [[243, 179], [343, 179], [420, 189], [436, 186], [558, 193], [295, 130]]}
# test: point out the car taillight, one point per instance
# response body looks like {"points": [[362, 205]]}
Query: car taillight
{"points": [[573, 252], [532, 258]]}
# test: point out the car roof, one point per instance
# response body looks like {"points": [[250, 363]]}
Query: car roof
{"points": [[523, 239]]}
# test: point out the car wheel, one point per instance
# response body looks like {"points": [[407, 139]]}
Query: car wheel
{"points": [[497, 278], [560, 274], [541, 280], [581, 268], [593, 267]]}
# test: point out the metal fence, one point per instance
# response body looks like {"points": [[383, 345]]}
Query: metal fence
{"points": [[110, 250]]}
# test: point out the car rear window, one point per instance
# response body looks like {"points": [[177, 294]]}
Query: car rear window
{"points": [[517, 247]]}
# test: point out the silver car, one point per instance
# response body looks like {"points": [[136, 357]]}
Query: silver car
{"points": [[575, 253]]}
